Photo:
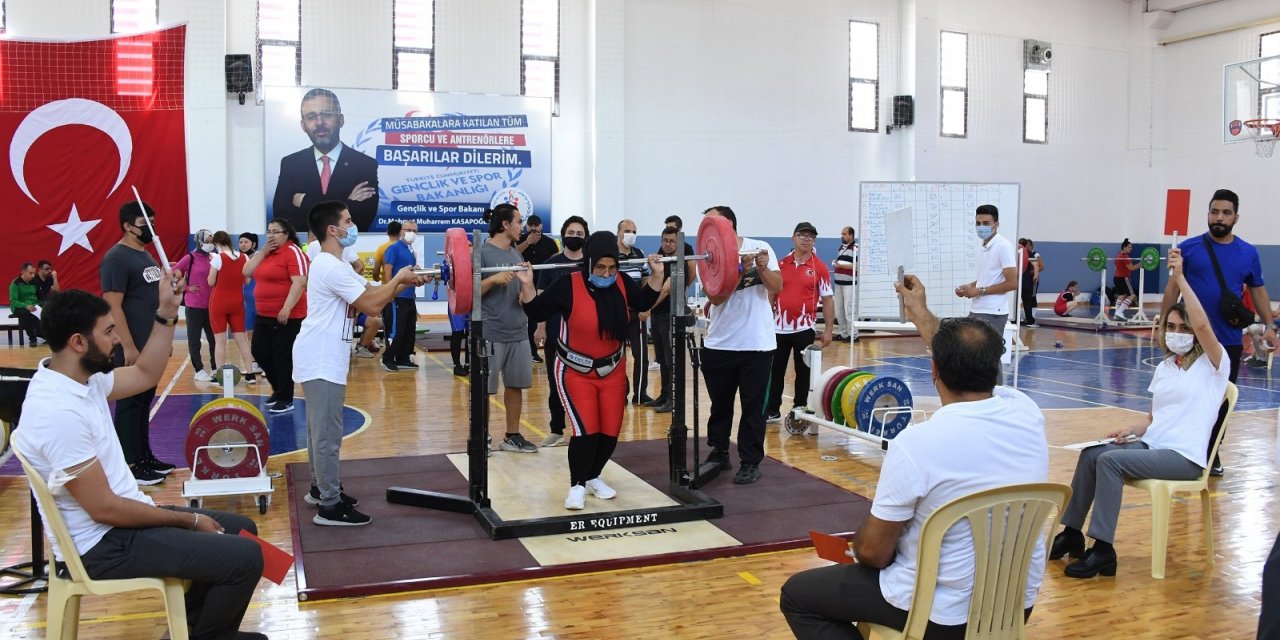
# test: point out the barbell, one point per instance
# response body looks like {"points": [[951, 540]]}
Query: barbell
{"points": [[717, 250], [1096, 259]]}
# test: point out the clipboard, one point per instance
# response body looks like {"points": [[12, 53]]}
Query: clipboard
{"points": [[829, 547]]}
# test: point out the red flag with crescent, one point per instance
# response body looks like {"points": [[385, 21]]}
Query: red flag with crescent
{"points": [[83, 122]]}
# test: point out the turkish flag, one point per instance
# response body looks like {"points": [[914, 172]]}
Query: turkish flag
{"points": [[83, 122]]}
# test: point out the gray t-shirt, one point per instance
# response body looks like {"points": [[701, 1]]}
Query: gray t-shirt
{"points": [[503, 315], [135, 274]]}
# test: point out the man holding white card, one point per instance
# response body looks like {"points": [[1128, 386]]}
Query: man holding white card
{"points": [[929, 465]]}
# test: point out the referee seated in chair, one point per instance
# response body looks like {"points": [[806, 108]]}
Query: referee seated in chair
{"points": [[67, 435], [928, 465], [1172, 443]]}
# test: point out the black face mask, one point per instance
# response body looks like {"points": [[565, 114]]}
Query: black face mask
{"points": [[144, 235], [574, 243]]}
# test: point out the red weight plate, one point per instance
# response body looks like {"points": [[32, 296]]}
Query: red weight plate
{"points": [[830, 388], [717, 240], [457, 252], [225, 424]]}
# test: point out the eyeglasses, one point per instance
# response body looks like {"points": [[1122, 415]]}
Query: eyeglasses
{"points": [[806, 236], [275, 233]]}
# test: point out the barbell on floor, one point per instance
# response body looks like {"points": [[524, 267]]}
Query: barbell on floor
{"points": [[717, 249], [1096, 259]]}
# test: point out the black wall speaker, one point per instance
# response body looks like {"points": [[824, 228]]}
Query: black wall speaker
{"points": [[239, 71], [904, 111]]}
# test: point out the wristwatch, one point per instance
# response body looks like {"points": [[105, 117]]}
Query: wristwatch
{"points": [[168, 322], [982, 291]]}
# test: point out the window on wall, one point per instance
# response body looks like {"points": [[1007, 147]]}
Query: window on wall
{"points": [[413, 43], [1035, 106], [1269, 74], [540, 50], [864, 76], [953, 73], [132, 16], [279, 42]]}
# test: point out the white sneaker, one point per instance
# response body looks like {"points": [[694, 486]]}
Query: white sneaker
{"points": [[813, 429], [203, 376], [553, 440], [654, 366], [362, 352], [577, 497], [601, 490]]}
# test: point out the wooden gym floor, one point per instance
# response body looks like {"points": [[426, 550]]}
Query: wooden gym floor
{"points": [[1097, 379]]}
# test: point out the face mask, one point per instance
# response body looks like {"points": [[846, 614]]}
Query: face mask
{"points": [[410, 237], [206, 247], [629, 239], [985, 232], [1179, 343], [144, 235], [574, 243], [602, 282], [352, 233]]}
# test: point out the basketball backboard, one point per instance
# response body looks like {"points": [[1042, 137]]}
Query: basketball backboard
{"points": [[1251, 90]]}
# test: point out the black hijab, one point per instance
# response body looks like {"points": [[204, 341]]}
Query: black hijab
{"points": [[611, 308]]}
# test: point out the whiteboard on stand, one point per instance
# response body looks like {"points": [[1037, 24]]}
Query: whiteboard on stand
{"points": [[944, 248]]}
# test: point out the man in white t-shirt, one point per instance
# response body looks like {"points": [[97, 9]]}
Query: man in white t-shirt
{"points": [[321, 360], [927, 466], [67, 435], [737, 354], [997, 272]]}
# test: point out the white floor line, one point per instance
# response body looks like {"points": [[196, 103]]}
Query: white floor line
{"points": [[28, 601], [165, 394]]}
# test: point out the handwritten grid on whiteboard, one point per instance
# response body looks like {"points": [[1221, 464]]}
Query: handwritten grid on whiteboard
{"points": [[944, 254]]}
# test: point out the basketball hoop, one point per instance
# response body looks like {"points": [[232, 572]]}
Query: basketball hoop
{"points": [[1265, 132]]}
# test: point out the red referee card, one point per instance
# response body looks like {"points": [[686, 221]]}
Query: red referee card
{"points": [[275, 561], [829, 547]]}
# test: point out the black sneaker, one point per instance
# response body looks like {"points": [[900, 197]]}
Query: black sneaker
{"points": [[656, 402], [747, 474], [721, 458], [144, 475], [281, 407], [461, 371], [389, 365], [773, 417], [340, 515], [666, 407], [406, 364], [158, 466], [537, 358], [313, 497], [1216, 470]]}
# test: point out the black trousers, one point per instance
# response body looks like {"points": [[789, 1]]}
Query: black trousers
{"points": [[555, 406], [133, 425], [198, 323], [29, 323], [1028, 296], [662, 352], [828, 602], [405, 313], [730, 375], [639, 361], [1269, 621], [790, 346], [272, 348], [223, 569]]}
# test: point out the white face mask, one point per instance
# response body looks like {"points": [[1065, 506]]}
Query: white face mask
{"points": [[1179, 343], [207, 248], [410, 236], [629, 239]]}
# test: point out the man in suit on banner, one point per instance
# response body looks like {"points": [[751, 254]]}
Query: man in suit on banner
{"points": [[327, 170]]}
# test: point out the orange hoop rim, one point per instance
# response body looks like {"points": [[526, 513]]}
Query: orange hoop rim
{"points": [[1264, 123]]}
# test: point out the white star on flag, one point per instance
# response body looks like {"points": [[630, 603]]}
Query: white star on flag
{"points": [[74, 231]]}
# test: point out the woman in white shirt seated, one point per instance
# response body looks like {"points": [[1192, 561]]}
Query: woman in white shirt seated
{"points": [[1172, 444]]}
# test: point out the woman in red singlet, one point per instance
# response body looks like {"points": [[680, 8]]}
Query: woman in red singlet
{"points": [[226, 303], [590, 364]]}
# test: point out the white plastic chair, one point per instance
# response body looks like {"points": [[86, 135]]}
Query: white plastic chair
{"points": [[65, 593], [1006, 523], [1162, 497]]}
